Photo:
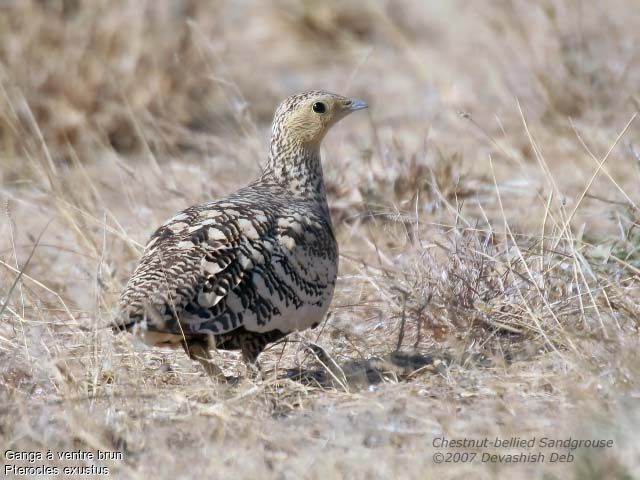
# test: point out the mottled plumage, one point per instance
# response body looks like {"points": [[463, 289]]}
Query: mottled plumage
{"points": [[246, 270]]}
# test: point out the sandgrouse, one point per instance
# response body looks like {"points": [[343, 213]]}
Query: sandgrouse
{"points": [[244, 271]]}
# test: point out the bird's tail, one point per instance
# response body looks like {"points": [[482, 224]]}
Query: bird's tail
{"points": [[128, 318]]}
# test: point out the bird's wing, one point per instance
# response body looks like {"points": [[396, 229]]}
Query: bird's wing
{"points": [[190, 265]]}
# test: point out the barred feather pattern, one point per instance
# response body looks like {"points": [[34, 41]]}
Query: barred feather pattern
{"points": [[250, 268], [260, 259]]}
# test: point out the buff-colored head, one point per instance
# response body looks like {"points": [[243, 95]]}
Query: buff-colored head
{"points": [[307, 117]]}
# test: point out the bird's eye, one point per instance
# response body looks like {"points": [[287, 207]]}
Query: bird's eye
{"points": [[319, 107]]}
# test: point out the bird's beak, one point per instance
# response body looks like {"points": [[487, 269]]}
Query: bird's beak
{"points": [[357, 105]]}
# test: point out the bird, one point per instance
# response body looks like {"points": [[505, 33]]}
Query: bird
{"points": [[244, 271]]}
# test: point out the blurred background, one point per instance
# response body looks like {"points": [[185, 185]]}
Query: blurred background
{"points": [[179, 75], [486, 207]]}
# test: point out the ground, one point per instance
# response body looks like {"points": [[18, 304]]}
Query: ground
{"points": [[486, 207]]}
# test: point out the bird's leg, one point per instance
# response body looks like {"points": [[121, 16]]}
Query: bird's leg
{"points": [[250, 358], [199, 350]]}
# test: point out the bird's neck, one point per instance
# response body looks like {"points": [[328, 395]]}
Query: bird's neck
{"points": [[297, 167]]}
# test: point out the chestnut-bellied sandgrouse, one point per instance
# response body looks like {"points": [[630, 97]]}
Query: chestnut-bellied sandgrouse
{"points": [[246, 270]]}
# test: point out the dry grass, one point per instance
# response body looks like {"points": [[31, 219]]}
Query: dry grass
{"points": [[487, 212]]}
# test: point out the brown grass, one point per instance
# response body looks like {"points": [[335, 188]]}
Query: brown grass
{"points": [[486, 208]]}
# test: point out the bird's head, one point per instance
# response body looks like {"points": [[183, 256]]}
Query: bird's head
{"points": [[305, 118]]}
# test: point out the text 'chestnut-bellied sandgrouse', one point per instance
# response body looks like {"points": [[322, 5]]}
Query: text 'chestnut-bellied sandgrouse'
{"points": [[246, 270]]}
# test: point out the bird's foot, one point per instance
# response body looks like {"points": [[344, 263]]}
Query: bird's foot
{"points": [[212, 370], [253, 372], [200, 351], [330, 365]]}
